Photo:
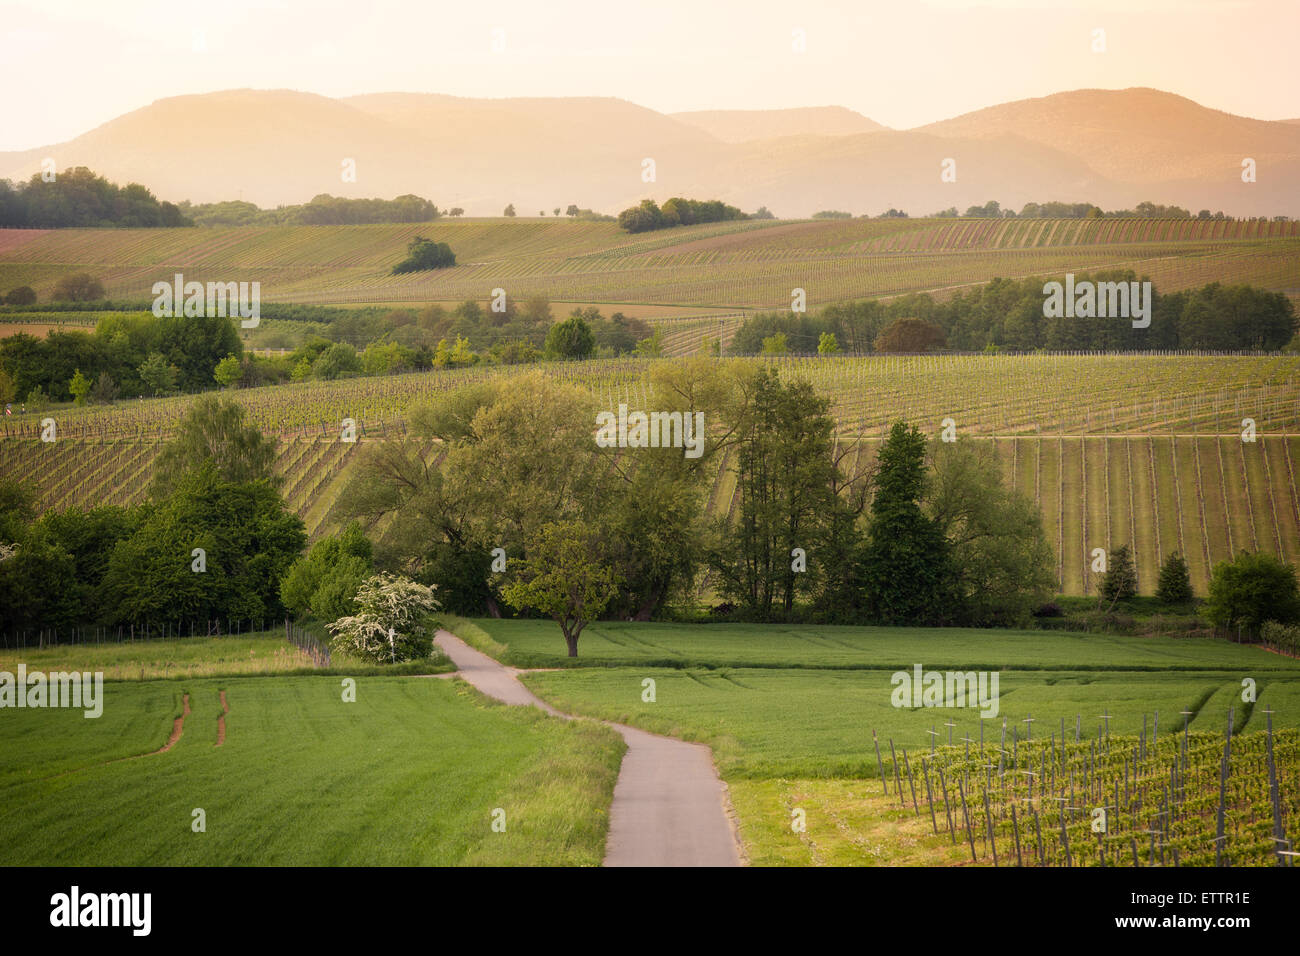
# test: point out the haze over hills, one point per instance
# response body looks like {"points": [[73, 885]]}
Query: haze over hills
{"points": [[1114, 148], [740, 126]]}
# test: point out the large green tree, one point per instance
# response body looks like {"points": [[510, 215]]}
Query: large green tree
{"points": [[905, 561], [786, 476], [1252, 588], [999, 562], [214, 430]]}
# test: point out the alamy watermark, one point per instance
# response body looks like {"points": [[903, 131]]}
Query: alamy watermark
{"points": [[921, 688], [1101, 300], [652, 430], [57, 689], [216, 299]]}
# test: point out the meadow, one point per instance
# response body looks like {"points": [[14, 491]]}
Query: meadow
{"points": [[411, 773], [802, 719]]}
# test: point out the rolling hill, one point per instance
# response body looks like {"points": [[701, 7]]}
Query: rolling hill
{"points": [[1112, 147]]}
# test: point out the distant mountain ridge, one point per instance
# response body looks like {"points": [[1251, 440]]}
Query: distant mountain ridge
{"points": [[1112, 147]]}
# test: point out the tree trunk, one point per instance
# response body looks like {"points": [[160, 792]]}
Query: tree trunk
{"points": [[493, 609], [572, 641]]}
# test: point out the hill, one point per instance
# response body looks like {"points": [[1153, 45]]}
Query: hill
{"points": [[1114, 148], [739, 126]]}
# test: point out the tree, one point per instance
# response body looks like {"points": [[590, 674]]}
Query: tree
{"points": [[572, 210], [105, 391], [775, 344], [509, 212], [422, 254], [1250, 589], [17, 509], [23, 295], [248, 539], [79, 387], [1175, 583], [78, 287], [910, 335], [228, 371], [565, 576], [158, 374], [8, 392], [556, 210], [570, 339], [338, 361], [653, 347], [1120, 580], [455, 211], [786, 480], [905, 560], [1000, 564], [215, 430], [323, 583], [826, 344]]}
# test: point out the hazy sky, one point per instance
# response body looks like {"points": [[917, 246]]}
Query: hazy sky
{"points": [[69, 65]]}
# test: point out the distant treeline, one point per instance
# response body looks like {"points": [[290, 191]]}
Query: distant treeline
{"points": [[1075, 210], [323, 210], [77, 197], [676, 212], [1008, 314]]}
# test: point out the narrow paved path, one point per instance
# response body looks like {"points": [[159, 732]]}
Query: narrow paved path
{"points": [[668, 807]]}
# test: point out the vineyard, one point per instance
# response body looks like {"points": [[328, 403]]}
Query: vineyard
{"points": [[1143, 450], [1182, 799], [736, 265]]}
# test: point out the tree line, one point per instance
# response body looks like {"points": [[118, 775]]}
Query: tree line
{"points": [[1007, 314], [78, 197], [649, 215]]}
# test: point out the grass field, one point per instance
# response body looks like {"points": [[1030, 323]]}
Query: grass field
{"points": [[794, 714], [409, 774]]}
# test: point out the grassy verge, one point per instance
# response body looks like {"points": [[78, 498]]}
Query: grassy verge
{"points": [[261, 654]]}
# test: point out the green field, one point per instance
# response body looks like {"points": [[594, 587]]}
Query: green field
{"points": [[409, 774], [793, 715]]}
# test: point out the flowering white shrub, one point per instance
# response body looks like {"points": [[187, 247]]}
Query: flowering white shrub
{"points": [[389, 625]]}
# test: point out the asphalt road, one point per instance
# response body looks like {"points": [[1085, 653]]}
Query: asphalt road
{"points": [[668, 807]]}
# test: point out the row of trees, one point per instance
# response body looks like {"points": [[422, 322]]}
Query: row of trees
{"points": [[141, 354], [322, 210], [1008, 314], [676, 212], [930, 536], [77, 197]]}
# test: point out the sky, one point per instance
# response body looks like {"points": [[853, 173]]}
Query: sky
{"points": [[70, 65]]}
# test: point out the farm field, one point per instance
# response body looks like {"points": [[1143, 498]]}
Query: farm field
{"points": [[409, 774], [737, 265], [788, 734]]}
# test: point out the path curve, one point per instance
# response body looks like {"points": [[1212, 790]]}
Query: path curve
{"points": [[669, 804]]}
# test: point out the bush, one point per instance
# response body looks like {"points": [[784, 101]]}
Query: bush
{"points": [[1250, 589], [389, 626], [1050, 609], [23, 295]]}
